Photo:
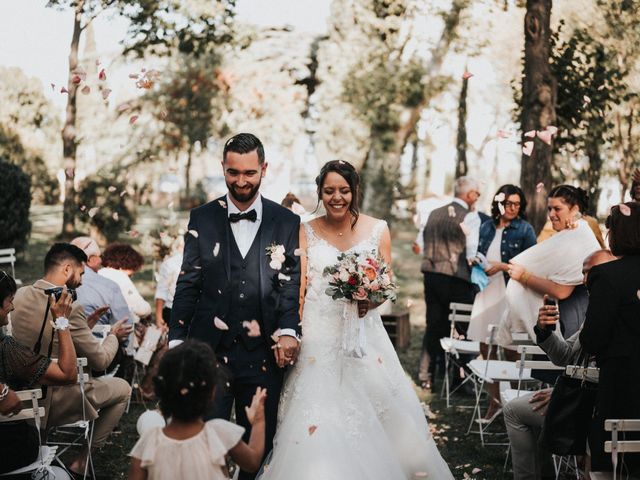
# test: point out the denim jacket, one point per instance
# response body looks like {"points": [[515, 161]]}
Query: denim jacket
{"points": [[516, 238]]}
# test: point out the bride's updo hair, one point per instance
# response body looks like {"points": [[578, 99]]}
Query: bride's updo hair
{"points": [[348, 172], [571, 196]]}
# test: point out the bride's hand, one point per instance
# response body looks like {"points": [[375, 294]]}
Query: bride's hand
{"points": [[363, 307]]}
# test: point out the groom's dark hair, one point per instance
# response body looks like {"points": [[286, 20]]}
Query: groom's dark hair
{"points": [[244, 143]]}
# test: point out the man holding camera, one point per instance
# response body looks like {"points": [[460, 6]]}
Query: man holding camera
{"points": [[64, 266]]}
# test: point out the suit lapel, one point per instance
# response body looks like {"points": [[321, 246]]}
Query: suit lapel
{"points": [[266, 233], [221, 225]]}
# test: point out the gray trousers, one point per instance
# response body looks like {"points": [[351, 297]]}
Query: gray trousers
{"points": [[529, 461]]}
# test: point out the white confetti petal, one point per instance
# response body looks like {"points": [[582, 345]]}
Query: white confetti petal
{"points": [[216, 249], [220, 324], [194, 233]]}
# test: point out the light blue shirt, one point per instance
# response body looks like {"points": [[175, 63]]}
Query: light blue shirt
{"points": [[97, 291]]}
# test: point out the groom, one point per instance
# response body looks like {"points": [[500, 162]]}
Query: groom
{"points": [[235, 293]]}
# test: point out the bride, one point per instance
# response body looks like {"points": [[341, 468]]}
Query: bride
{"points": [[341, 417]]}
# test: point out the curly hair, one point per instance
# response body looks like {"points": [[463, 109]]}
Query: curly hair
{"points": [[349, 173], [122, 257], [186, 379]]}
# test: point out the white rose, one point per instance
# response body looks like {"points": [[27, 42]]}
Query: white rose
{"points": [[280, 257], [344, 276], [279, 250], [274, 264]]}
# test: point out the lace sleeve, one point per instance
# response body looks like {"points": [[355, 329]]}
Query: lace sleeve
{"points": [[19, 366], [309, 234], [376, 234]]}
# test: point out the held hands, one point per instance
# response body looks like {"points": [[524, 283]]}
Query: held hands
{"points": [[120, 330], [548, 315], [540, 400], [515, 271], [62, 306], [286, 350], [255, 412]]}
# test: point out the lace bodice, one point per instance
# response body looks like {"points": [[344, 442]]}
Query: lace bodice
{"points": [[321, 254]]}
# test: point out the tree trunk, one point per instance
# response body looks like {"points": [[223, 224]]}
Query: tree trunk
{"points": [[461, 143], [593, 177], [69, 144], [538, 107], [187, 175]]}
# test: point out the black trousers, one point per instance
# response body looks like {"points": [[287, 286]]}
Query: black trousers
{"points": [[248, 370], [439, 291]]}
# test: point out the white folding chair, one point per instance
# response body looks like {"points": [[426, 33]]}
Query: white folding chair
{"points": [[453, 346], [46, 453], [615, 446], [8, 257], [80, 431]]}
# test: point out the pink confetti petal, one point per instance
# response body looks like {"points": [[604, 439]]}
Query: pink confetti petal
{"points": [[312, 429], [451, 211], [467, 75], [105, 93], [76, 79], [102, 75], [63, 90], [499, 197], [133, 119], [252, 327], [527, 148], [625, 210], [551, 129], [476, 471], [219, 324], [86, 90], [545, 136], [222, 203], [539, 187], [530, 134]]}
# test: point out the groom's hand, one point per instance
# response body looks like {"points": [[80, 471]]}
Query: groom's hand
{"points": [[286, 350]]}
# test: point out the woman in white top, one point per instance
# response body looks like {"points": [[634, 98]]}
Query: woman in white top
{"points": [[120, 262]]}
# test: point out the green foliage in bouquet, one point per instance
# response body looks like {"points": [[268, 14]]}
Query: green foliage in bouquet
{"points": [[15, 200], [104, 204]]}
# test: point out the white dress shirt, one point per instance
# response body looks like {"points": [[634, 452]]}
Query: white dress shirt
{"points": [[245, 231]]}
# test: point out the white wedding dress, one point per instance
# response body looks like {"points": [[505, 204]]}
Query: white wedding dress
{"points": [[345, 418]]}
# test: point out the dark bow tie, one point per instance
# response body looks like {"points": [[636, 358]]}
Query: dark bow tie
{"points": [[251, 215]]}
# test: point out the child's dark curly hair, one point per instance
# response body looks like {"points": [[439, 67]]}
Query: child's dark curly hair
{"points": [[186, 378]]}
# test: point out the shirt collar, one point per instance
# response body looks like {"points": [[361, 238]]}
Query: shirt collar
{"points": [[256, 205], [461, 202]]}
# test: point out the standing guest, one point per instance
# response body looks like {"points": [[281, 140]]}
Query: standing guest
{"points": [[189, 446], [502, 237], [166, 286], [120, 262], [635, 186], [20, 369], [64, 266], [98, 292], [611, 330], [553, 267], [447, 275]]}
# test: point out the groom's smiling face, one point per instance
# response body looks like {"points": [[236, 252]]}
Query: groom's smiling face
{"points": [[243, 174]]}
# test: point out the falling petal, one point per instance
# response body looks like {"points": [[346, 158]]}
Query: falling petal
{"points": [[539, 187], [476, 471], [86, 90], [184, 391], [63, 90], [586, 99], [222, 203], [551, 129], [467, 75], [76, 79], [102, 75], [111, 188], [545, 136], [133, 119], [282, 276], [225, 359], [499, 197], [501, 208], [380, 360], [53, 86], [530, 134], [625, 210], [527, 148], [451, 211], [220, 324], [105, 93], [193, 232], [252, 327], [93, 211], [216, 249], [312, 429], [124, 107], [638, 294], [115, 216]]}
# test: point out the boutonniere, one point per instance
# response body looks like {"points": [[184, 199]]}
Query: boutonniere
{"points": [[276, 256]]}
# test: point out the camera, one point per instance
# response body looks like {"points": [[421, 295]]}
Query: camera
{"points": [[57, 291]]}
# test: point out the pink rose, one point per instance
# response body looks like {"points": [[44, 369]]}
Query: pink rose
{"points": [[360, 294]]}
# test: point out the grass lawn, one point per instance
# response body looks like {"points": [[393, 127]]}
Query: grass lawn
{"points": [[466, 457]]}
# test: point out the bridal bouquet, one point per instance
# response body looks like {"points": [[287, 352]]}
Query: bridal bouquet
{"points": [[360, 276]]}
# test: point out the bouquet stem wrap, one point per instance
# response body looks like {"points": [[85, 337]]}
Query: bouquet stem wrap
{"points": [[354, 340]]}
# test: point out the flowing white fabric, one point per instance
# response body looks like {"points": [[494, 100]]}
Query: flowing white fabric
{"points": [[347, 418], [558, 259]]}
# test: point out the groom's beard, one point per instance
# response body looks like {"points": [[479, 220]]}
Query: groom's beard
{"points": [[243, 197]]}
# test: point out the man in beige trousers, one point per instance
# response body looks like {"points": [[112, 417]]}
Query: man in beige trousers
{"points": [[106, 397]]}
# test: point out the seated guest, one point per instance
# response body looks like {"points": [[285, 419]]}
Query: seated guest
{"points": [[64, 266], [611, 331], [120, 262], [22, 369], [524, 415], [166, 286], [98, 292]]}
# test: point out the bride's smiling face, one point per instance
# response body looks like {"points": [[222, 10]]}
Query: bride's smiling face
{"points": [[336, 195]]}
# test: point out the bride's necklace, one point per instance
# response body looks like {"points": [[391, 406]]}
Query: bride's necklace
{"points": [[331, 229]]}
